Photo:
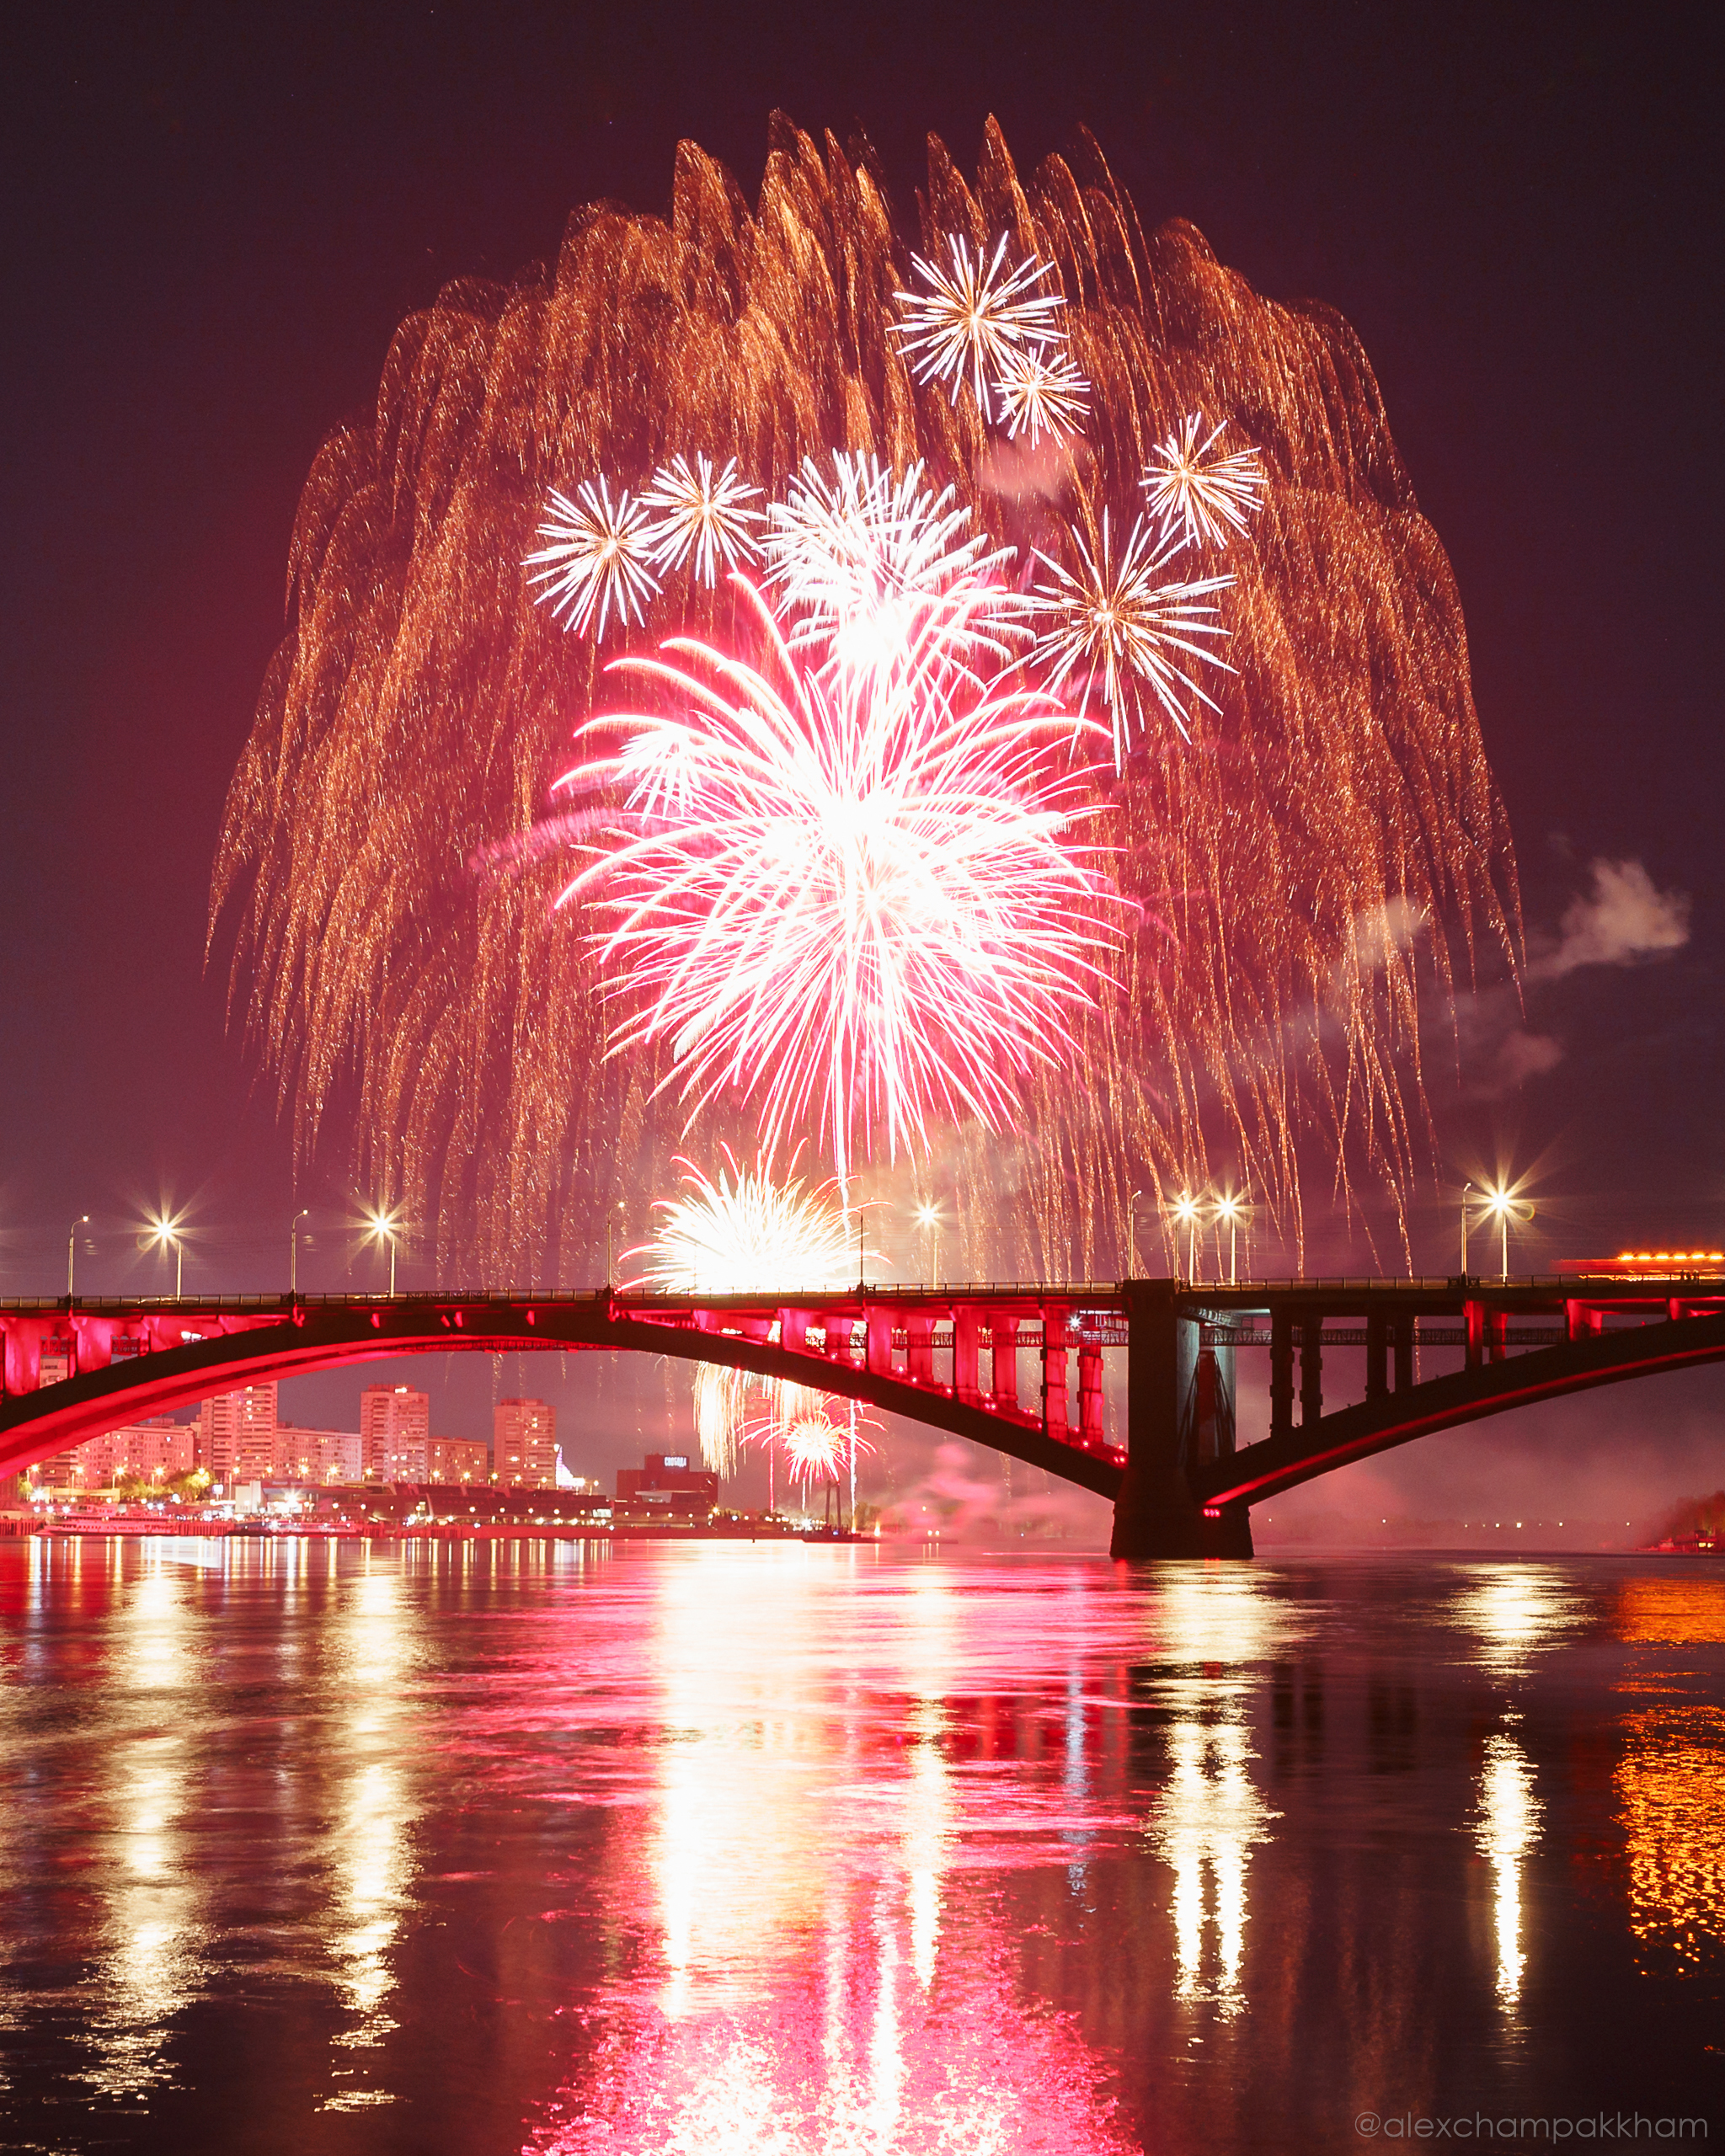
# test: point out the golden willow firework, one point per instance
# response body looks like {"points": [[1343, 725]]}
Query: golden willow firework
{"points": [[1329, 839]]}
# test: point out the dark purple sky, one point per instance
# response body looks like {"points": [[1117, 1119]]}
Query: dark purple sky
{"points": [[215, 217]]}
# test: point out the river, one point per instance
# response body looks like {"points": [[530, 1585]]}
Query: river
{"points": [[783, 1851]]}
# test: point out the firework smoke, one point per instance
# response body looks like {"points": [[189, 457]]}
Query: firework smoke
{"points": [[422, 703]]}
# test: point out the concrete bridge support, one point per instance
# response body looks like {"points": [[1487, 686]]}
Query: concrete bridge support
{"points": [[1157, 1515]]}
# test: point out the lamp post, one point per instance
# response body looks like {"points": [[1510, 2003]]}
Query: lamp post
{"points": [[930, 1220], [384, 1228], [293, 1249], [165, 1232], [1132, 1233], [82, 1221], [1466, 1188], [610, 1226], [1229, 1208], [1502, 1205], [1185, 1211]]}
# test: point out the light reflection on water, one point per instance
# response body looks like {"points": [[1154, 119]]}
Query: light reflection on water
{"points": [[800, 1850]]}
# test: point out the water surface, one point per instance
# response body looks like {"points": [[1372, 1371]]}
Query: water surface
{"points": [[732, 1848]]}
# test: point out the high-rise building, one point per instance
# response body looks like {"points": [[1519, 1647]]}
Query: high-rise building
{"points": [[318, 1455], [237, 1435], [459, 1459], [524, 1442], [395, 1433]]}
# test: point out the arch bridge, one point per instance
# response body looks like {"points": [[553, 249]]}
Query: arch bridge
{"points": [[1128, 1391]]}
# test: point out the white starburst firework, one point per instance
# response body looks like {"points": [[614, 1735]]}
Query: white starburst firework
{"points": [[746, 1232], [598, 561], [1115, 617], [703, 517], [1198, 497], [860, 898], [972, 321], [818, 1450], [862, 554], [1042, 391]]}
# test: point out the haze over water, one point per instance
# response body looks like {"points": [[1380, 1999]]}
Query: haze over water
{"points": [[796, 1850]]}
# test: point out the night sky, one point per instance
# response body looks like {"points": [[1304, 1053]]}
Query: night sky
{"points": [[216, 218]]}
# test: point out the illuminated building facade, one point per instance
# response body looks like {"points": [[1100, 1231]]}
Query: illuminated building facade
{"points": [[524, 1442], [237, 1433], [459, 1459], [395, 1433]]}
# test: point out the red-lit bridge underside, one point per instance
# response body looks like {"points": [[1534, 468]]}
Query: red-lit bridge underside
{"points": [[126, 1362], [1347, 1434]]}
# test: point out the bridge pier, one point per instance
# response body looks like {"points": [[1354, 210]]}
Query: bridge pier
{"points": [[1155, 1515]]}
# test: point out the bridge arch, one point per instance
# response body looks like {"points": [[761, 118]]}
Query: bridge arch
{"points": [[293, 1338]]}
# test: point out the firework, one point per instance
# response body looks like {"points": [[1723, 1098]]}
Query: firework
{"points": [[816, 1448], [975, 322], [747, 1232], [599, 561], [1115, 617], [1198, 498], [864, 558], [450, 1024], [704, 517], [1042, 393], [852, 900]]}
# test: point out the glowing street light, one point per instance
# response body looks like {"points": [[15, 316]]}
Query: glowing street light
{"points": [[1466, 1188], [82, 1221], [1185, 1209], [293, 1249], [165, 1234], [928, 1218], [1230, 1212], [1502, 1205], [383, 1227]]}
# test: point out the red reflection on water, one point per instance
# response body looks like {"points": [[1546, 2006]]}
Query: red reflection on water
{"points": [[816, 1988], [855, 2056]]}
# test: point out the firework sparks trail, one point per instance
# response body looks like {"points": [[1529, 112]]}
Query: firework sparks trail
{"points": [[447, 1027], [704, 517], [1114, 616], [861, 900], [1198, 497], [749, 1231], [599, 561], [975, 321], [1042, 393]]}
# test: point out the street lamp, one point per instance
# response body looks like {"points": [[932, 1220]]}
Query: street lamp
{"points": [[165, 1232], [82, 1221], [383, 1227], [1185, 1210], [1465, 1187], [930, 1220], [1502, 1205], [1230, 1209], [1132, 1233], [293, 1249], [610, 1226]]}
